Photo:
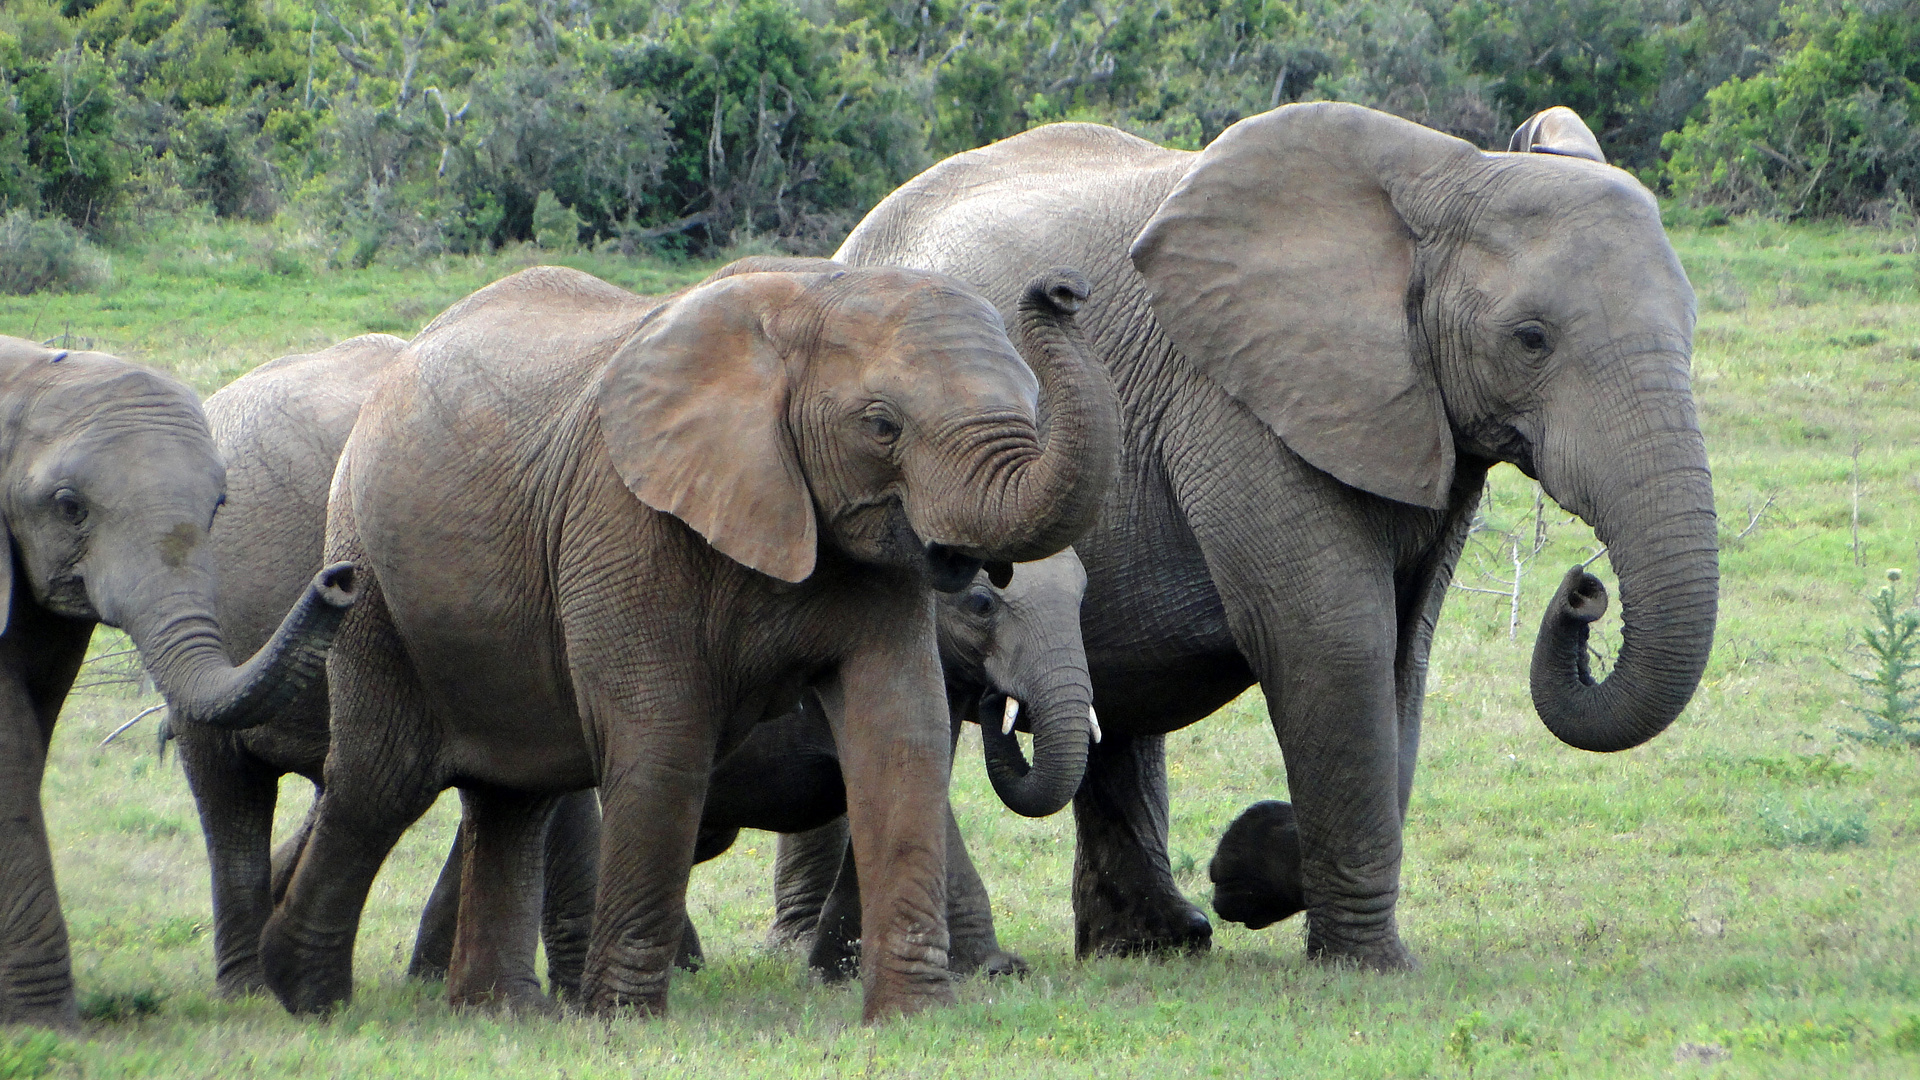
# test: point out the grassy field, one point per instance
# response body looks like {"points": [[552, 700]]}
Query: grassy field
{"points": [[1738, 898]]}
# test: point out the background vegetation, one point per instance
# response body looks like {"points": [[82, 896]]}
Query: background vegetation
{"points": [[1734, 899], [405, 129]]}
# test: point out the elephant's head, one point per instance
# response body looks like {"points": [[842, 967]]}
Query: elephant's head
{"points": [[108, 485], [1390, 300], [1013, 658], [787, 407]]}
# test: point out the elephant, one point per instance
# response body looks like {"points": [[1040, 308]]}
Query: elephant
{"points": [[108, 483], [603, 537], [1324, 328], [280, 428], [1021, 642]]}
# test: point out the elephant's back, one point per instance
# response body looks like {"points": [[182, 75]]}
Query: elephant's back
{"points": [[1062, 195], [279, 429]]}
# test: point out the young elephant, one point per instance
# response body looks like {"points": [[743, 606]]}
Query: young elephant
{"points": [[108, 481], [1022, 641], [604, 541]]}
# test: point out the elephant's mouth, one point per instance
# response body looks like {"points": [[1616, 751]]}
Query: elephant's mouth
{"points": [[951, 570]]}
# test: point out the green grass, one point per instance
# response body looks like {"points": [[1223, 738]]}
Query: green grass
{"points": [[1737, 898]]}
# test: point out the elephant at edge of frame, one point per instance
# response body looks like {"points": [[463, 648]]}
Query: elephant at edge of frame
{"points": [[108, 483], [603, 539], [1324, 329]]}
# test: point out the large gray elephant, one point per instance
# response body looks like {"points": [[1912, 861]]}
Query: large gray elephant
{"points": [[108, 482], [604, 539], [1324, 328]]}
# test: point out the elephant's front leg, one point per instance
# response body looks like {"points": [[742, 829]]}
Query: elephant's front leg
{"points": [[890, 725], [1334, 705], [658, 755], [1125, 900], [36, 973]]}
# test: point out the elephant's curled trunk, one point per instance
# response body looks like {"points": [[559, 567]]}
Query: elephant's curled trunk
{"points": [[1663, 545], [1034, 501], [181, 645], [1061, 720]]}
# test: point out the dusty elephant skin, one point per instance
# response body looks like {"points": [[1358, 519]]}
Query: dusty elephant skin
{"points": [[1324, 329], [280, 429], [108, 482], [605, 539]]}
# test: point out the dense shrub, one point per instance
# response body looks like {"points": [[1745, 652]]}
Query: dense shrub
{"points": [[39, 253], [1832, 128]]}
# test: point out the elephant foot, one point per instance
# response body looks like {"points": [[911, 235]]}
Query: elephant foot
{"points": [[309, 978], [1143, 926], [1256, 869], [999, 964], [234, 987], [1382, 957], [517, 1000], [834, 958]]}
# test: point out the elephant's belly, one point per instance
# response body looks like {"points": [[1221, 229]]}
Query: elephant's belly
{"points": [[505, 716]]}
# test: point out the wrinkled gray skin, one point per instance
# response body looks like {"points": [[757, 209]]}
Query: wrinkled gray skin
{"points": [[108, 482], [785, 778], [606, 539], [1324, 329], [281, 428]]}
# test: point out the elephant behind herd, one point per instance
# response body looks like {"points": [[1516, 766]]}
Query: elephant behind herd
{"points": [[684, 551]]}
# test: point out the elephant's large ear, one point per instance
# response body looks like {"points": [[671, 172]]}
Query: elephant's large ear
{"points": [[1281, 267], [1558, 130], [694, 412]]}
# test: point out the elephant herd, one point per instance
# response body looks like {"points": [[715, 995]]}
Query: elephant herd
{"points": [[634, 574]]}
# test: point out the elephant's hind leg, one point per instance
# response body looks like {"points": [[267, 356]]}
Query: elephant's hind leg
{"points": [[572, 878], [500, 887], [382, 774], [1125, 901]]}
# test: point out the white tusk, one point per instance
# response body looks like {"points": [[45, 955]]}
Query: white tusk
{"points": [[139, 716], [1093, 721], [1012, 714]]}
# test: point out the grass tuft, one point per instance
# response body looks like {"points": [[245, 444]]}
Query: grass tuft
{"points": [[115, 1006], [1811, 824]]}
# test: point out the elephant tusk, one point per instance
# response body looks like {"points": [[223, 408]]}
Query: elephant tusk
{"points": [[137, 717], [1093, 723], [1012, 714]]}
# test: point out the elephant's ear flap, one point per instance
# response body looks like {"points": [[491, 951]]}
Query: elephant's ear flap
{"points": [[1558, 130], [1282, 268], [693, 409]]}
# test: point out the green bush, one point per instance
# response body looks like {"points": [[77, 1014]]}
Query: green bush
{"points": [[555, 225], [45, 253], [1832, 129]]}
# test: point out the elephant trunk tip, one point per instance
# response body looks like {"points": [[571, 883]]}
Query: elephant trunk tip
{"points": [[337, 585]]}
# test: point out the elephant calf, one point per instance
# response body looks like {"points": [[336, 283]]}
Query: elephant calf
{"points": [[108, 482], [604, 539]]}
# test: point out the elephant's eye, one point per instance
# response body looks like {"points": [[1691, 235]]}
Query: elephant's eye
{"points": [[1532, 337], [979, 600], [67, 504], [884, 428]]}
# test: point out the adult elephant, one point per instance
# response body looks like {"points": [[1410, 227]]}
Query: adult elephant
{"points": [[108, 482], [605, 539], [1324, 328]]}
